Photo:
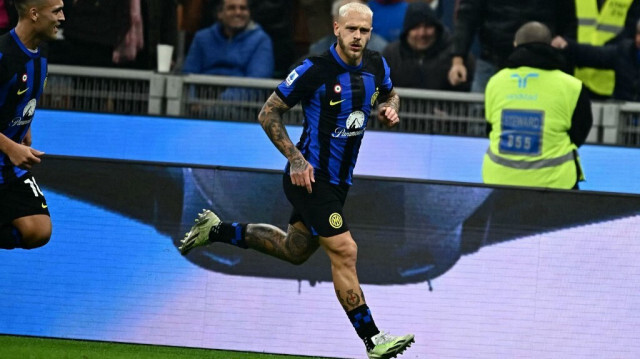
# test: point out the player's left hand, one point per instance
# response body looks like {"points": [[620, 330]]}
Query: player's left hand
{"points": [[388, 116]]}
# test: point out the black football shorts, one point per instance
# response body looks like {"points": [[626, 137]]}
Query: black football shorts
{"points": [[20, 198], [320, 210]]}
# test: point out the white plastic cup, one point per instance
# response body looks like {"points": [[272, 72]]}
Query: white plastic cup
{"points": [[164, 57]]}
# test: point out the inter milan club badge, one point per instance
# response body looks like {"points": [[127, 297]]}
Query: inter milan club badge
{"points": [[337, 88], [335, 220], [24, 78]]}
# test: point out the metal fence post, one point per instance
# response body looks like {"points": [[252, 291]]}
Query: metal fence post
{"points": [[610, 123], [156, 94], [174, 95], [595, 135]]}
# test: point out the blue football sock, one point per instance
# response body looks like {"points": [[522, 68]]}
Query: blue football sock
{"points": [[232, 233]]}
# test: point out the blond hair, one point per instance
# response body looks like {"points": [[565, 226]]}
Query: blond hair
{"points": [[355, 7], [337, 4]]}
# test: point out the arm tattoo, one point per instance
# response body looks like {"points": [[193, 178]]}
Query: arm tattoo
{"points": [[270, 118], [391, 100]]}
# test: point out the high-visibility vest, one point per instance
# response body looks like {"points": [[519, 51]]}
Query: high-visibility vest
{"points": [[530, 111], [596, 28]]}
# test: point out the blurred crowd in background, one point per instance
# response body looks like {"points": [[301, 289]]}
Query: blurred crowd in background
{"points": [[429, 44]]}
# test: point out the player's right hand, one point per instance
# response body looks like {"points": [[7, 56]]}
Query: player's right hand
{"points": [[301, 172], [24, 156], [388, 116]]}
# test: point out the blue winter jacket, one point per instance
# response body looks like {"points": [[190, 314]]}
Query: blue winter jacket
{"points": [[248, 54]]}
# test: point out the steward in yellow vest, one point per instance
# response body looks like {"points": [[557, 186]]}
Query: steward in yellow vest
{"points": [[538, 117], [597, 27]]}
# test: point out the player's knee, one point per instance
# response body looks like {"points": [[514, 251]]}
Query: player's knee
{"points": [[38, 242], [300, 245], [299, 258], [300, 255], [35, 237], [346, 253], [351, 254]]}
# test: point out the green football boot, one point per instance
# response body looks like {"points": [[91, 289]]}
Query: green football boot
{"points": [[199, 233], [389, 346]]}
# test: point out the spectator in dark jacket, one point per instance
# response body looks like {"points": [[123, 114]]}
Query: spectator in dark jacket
{"points": [[93, 32], [276, 19], [496, 22], [422, 56], [622, 56], [160, 27], [115, 33]]}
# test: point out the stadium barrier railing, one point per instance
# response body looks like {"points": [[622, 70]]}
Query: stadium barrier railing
{"points": [[142, 92]]}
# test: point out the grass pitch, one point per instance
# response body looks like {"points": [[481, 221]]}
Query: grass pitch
{"points": [[20, 347]]}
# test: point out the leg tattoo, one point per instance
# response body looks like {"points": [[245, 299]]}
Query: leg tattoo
{"points": [[351, 299], [295, 246]]}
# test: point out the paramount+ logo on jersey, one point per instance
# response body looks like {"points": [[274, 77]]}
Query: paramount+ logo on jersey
{"points": [[354, 126], [27, 114]]}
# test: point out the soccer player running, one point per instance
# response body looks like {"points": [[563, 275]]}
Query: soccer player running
{"points": [[24, 216], [338, 91]]}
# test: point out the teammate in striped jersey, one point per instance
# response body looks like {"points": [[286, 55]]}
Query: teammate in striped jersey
{"points": [[24, 215]]}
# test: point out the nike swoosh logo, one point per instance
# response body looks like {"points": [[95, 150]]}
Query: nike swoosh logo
{"points": [[44, 205], [20, 92], [333, 103]]}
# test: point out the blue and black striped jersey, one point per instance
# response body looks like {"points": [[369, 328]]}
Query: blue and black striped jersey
{"points": [[23, 75], [337, 100]]}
